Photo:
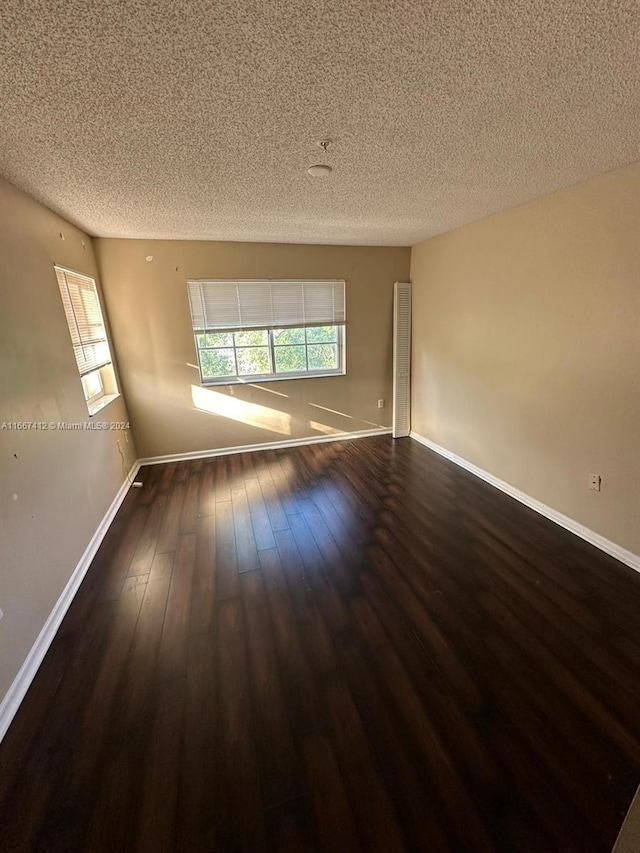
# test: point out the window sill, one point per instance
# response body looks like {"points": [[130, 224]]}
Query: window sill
{"points": [[258, 380], [99, 404]]}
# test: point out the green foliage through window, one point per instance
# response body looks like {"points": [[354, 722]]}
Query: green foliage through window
{"points": [[265, 353]]}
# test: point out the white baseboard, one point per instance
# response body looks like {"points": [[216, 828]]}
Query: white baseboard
{"points": [[606, 545], [271, 445], [17, 691]]}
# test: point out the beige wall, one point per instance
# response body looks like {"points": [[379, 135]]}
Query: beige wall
{"points": [[171, 413], [526, 349], [56, 486], [629, 839]]}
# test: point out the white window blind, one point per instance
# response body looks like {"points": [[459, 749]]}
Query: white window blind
{"points": [[227, 305], [84, 317]]}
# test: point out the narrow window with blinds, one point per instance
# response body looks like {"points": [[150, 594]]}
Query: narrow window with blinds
{"points": [[247, 331], [88, 337]]}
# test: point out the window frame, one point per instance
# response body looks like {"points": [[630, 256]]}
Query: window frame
{"points": [[104, 370], [235, 306], [273, 376]]}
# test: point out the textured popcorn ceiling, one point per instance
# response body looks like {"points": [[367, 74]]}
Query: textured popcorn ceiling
{"points": [[198, 119]]}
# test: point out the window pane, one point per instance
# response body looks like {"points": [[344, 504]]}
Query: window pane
{"points": [[323, 356], [252, 338], [253, 360], [92, 385], [215, 339], [322, 334], [289, 359], [288, 336], [217, 362]]}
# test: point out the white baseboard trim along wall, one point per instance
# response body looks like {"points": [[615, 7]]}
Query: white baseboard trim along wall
{"points": [[271, 445], [28, 670], [606, 545]]}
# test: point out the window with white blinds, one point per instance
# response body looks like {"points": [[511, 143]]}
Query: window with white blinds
{"points": [[249, 330], [225, 305], [89, 338], [84, 318]]}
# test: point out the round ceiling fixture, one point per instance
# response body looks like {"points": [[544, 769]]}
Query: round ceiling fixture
{"points": [[319, 171], [149, 258]]}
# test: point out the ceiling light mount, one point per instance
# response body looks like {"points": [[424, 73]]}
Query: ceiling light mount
{"points": [[319, 170], [324, 144]]}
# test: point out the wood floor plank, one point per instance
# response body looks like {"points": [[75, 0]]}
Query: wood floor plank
{"points": [[334, 819], [223, 490], [371, 803], [170, 524], [207, 496], [420, 814], [303, 699], [204, 578], [281, 470], [181, 474], [226, 560], [157, 813], [542, 615], [277, 491], [310, 555], [566, 725], [437, 644], [439, 691], [203, 792], [246, 550], [279, 765], [148, 539], [564, 680], [149, 476], [448, 786], [189, 517], [246, 829], [111, 823], [290, 828], [167, 476], [260, 520], [98, 709], [113, 576], [172, 658], [140, 674]]}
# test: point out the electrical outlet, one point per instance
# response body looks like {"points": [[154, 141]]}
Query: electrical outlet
{"points": [[381, 404], [594, 482]]}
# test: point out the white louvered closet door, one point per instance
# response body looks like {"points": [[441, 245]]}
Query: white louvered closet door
{"points": [[401, 359]]}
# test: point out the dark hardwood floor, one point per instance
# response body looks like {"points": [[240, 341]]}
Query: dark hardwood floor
{"points": [[341, 647]]}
